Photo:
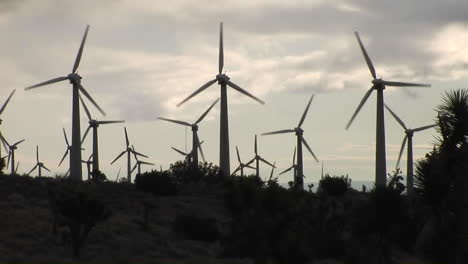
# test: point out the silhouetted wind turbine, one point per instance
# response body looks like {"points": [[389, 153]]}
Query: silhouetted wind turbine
{"points": [[88, 165], [195, 138], [11, 155], [293, 166], [408, 137], [75, 80], [95, 124], [139, 162], [241, 165], [379, 85], [129, 151], [257, 159], [189, 155], [223, 81], [39, 165], [272, 170], [299, 175], [68, 147], [1, 111]]}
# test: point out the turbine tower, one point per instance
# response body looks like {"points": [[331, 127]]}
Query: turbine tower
{"points": [[139, 162], [95, 124], [1, 111], [379, 85], [299, 177], [408, 137], [241, 165], [257, 160], [224, 81], [11, 154], [195, 139], [75, 80], [129, 151], [39, 165]]}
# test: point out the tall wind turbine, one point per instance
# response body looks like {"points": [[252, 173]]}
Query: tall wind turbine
{"points": [[224, 81], [39, 165], [241, 165], [408, 137], [75, 80], [257, 160], [1, 111], [139, 162], [299, 177], [195, 139], [11, 155], [379, 85], [129, 151], [95, 124]]}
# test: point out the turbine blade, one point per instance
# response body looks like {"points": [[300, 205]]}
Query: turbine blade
{"points": [[44, 167], [255, 145], [110, 122], [272, 169], [37, 153], [238, 155], [286, 170], [308, 148], [366, 56], [305, 112], [199, 90], [67, 173], [240, 90], [221, 49], [82, 89], [126, 137], [32, 169], [179, 151], [19, 142], [424, 127], [5, 143], [58, 79], [8, 162], [17, 166], [6, 102], [401, 150], [199, 147], [363, 101], [63, 158], [85, 108], [294, 156], [279, 132], [395, 116], [146, 163], [134, 167], [65, 136], [175, 121], [405, 84], [139, 154], [250, 167], [120, 155], [250, 162], [206, 112], [266, 162], [236, 170], [80, 51], [85, 134]]}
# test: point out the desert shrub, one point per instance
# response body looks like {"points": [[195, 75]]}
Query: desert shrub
{"points": [[183, 172], [334, 185], [197, 228], [98, 176], [156, 182]]}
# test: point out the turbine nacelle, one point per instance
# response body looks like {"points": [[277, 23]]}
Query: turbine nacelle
{"points": [[299, 131], [378, 83], [194, 127], [74, 78], [93, 123], [222, 78], [409, 132]]}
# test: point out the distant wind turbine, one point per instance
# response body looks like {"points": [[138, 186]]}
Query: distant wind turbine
{"points": [[39, 165], [188, 156], [88, 165], [129, 151], [299, 177], [272, 170], [68, 147], [408, 137], [75, 80], [257, 159], [95, 124], [139, 162], [195, 138], [1, 111], [241, 165], [11, 155], [224, 81], [293, 166], [379, 85]]}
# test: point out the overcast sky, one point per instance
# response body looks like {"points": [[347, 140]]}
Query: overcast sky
{"points": [[142, 57]]}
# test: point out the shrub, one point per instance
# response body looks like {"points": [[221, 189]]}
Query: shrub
{"points": [[334, 185], [156, 182], [197, 228]]}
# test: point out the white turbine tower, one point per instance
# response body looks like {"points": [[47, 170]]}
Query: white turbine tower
{"points": [[241, 165], [408, 137], [299, 177], [195, 139], [11, 155], [224, 81], [75, 80], [257, 160], [95, 124], [1, 111], [39, 165], [379, 85], [129, 151]]}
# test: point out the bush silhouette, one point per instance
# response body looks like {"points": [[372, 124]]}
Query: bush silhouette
{"points": [[334, 185], [156, 182]]}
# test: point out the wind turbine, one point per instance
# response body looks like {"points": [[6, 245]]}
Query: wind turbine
{"points": [[293, 166], [188, 156], [224, 81], [195, 139], [298, 178], [257, 160], [11, 155], [272, 170], [139, 162], [39, 165], [241, 165], [408, 137], [1, 111], [88, 165], [68, 148], [379, 85], [95, 124], [129, 151], [75, 80]]}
